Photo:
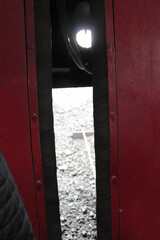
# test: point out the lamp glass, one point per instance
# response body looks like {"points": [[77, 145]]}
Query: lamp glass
{"points": [[84, 38]]}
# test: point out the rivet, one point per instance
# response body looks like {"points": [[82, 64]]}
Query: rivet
{"points": [[30, 46], [39, 184], [114, 179], [34, 116], [113, 116]]}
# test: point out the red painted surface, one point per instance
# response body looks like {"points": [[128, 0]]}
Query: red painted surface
{"points": [[16, 105], [34, 117], [14, 113], [113, 117], [137, 41]]}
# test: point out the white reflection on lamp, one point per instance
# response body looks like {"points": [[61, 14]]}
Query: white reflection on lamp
{"points": [[84, 38]]}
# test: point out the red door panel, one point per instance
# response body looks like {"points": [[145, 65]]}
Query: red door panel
{"points": [[22, 154], [137, 41]]}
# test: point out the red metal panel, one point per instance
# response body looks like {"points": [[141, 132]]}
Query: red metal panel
{"points": [[113, 116], [19, 129], [137, 38], [14, 114]]}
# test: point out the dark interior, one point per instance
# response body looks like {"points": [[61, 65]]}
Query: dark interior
{"points": [[65, 72]]}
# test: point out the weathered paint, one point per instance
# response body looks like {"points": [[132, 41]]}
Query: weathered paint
{"points": [[19, 130], [137, 73], [113, 113]]}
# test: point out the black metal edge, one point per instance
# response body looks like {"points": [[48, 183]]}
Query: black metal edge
{"points": [[44, 82], [101, 120]]}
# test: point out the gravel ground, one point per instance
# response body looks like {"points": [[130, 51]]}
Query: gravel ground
{"points": [[73, 112]]}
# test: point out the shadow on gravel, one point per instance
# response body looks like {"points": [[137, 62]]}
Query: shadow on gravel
{"points": [[73, 125]]}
